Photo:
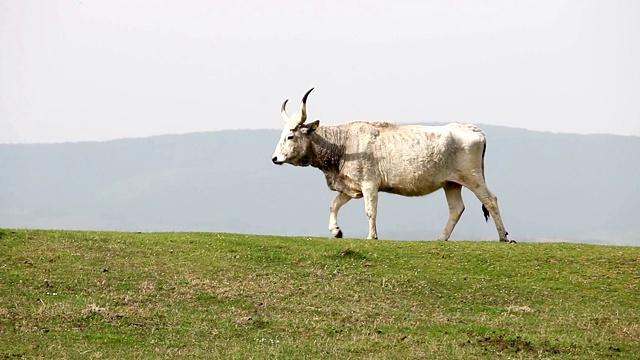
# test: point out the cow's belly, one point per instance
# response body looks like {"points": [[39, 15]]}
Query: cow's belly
{"points": [[412, 184], [405, 190]]}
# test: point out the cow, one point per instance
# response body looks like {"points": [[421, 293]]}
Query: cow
{"points": [[359, 159]]}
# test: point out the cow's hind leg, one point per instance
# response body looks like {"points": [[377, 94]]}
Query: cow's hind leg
{"points": [[337, 202], [490, 201], [453, 192]]}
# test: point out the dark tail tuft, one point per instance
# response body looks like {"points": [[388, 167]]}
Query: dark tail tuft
{"points": [[485, 212]]}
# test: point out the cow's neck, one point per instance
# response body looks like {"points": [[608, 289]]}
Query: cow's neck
{"points": [[327, 146]]}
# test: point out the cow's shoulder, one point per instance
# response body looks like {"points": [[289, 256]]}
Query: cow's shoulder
{"points": [[338, 181]]}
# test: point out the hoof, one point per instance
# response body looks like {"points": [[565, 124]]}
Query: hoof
{"points": [[512, 242], [339, 234]]}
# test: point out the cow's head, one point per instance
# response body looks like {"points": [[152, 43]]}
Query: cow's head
{"points": [[295, 144]]}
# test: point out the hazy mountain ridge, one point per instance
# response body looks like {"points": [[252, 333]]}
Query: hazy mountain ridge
{"points": [[550, 186]]}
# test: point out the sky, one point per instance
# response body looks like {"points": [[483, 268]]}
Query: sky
{"points": [[93, 70]]}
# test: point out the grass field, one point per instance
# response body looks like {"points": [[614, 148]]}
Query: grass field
{"points": [[71, 294]]}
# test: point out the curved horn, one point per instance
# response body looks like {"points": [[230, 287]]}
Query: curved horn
{"points": [[303, 108], [283, 111]]}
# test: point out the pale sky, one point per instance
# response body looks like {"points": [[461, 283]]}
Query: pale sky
{"points": [[98, 70]]}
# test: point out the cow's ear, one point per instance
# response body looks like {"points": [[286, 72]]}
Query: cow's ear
{"points": [[312, 126]]}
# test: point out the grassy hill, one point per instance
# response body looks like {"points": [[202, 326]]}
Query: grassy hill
{"points": [[67, 294]]}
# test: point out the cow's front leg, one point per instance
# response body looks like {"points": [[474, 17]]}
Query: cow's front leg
{"points": [[371, 209], [337, 202]]}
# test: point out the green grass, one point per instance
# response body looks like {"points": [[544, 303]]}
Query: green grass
{"points": [[71, 294]]}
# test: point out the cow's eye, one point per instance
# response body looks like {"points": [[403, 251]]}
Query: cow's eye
{"points": [[290, 137]]}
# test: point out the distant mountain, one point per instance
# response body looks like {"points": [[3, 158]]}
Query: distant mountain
{"points": [[550, 187]]}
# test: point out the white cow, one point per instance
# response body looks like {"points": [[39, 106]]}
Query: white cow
{"points": [[360, 159]]}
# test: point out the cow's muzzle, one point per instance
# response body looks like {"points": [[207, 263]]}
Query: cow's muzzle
{"points": [[276, 161]]}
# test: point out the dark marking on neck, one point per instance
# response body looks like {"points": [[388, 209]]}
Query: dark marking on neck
{"points": [[327, 151], [328, 155]]}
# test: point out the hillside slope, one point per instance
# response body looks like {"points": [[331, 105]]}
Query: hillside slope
{"points": [[550, 186]]}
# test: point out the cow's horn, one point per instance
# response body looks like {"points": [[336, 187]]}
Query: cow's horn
{"points": [[303, 108], [283, 111]]}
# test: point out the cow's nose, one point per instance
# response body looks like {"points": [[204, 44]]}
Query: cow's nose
{"points": [[274, 160]]}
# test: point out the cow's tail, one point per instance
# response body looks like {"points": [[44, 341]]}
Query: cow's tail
{"points": [[485, 212]]}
